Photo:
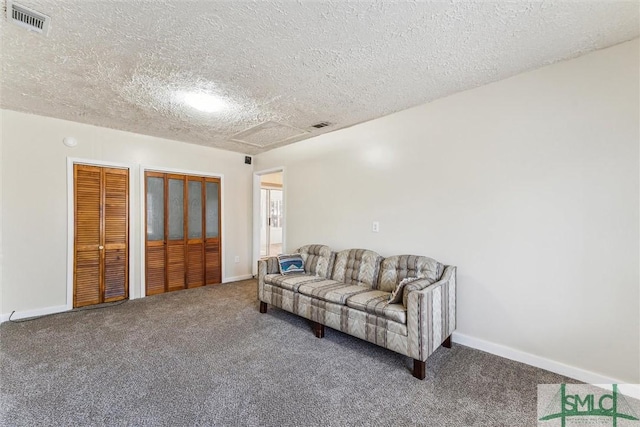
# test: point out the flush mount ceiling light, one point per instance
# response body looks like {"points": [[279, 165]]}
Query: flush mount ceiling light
{"points": [[201, 101]]}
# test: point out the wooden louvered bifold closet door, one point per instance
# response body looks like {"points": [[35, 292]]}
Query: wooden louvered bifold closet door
{"points": [[183, 232], [101, 217], [195, 229], [176, 247], [212, 255], [87, 269], [116, 234]]}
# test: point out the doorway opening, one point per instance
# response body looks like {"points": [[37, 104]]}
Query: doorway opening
{"points": [[269, 214]]}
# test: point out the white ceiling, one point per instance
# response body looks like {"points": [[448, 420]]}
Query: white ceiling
{"points": [[118, 63]]}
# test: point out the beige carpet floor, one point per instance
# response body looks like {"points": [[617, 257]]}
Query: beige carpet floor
{"points": [[207, 357]]}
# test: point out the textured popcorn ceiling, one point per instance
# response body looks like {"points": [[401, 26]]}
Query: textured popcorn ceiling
{"points": [[119, 64]]}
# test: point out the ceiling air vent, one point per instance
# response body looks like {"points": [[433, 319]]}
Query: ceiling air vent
{"points": [[321, 125], [28, 18], [268, 133]]}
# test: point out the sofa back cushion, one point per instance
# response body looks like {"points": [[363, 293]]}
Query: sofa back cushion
{"points": [[357, 267], [394, 269], [318, 259]]}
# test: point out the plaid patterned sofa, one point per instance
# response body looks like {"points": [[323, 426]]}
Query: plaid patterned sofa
{"points": [[349, 291]]}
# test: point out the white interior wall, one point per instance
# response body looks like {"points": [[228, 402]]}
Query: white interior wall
{"points": [[529, 185], [34, 189]]}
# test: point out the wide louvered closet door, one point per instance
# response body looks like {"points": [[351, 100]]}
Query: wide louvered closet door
{"points": [[101, 234], [183, 232]]}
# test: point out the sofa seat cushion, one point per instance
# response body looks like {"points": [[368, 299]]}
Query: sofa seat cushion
{"points": [[331, 290], [291, 282], [377, 302]]}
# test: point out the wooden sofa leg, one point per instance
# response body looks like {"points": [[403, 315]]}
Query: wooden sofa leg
{"points": [[419, 369], [447, 342], [318, 330], [263, 307]]}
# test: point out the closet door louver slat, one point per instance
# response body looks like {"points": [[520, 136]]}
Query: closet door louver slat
{"points": [[175, 267], [212, 263], [155, 270], [195, 267]]}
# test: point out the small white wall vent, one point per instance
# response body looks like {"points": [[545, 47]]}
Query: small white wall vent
{"points": [[28, 18]]}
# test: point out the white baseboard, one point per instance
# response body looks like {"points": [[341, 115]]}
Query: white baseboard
{"points": [[237, 278], [33, 313], [632, 390]]}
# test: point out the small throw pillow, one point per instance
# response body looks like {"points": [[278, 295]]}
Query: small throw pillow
{"points": [[290, 264], [396, 295]]}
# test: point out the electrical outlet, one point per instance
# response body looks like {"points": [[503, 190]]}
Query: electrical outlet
{"points": [[237, 259], [375, 227]]}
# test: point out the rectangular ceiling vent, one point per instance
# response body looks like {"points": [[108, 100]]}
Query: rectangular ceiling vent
{"points": [[321, 125], [268, 133], [28, 18]]}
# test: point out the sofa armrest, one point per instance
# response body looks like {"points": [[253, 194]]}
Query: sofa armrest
{"points": [[266, 266], [431, 314]]}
